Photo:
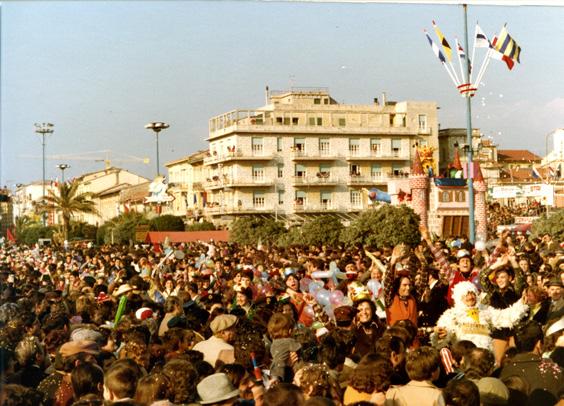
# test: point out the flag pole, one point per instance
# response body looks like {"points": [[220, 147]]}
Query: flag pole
{"points": [[471, 225], [484, 66]]}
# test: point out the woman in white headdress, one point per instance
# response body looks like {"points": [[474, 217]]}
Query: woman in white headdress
{"points": [[470, 320]]}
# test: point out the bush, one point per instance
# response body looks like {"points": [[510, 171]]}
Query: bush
{"points": [[120, 229], [167, 222], [552, 224], [322, 230], [203, 226], [387, 225], [293, 236], [82, 231], [249, 230], [31, 234]]}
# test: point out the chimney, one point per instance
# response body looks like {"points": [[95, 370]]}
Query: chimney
{"points": [[384, 100], [267, 95]]}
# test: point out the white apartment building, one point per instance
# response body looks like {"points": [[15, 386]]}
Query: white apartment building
{"points": [[305, 154], [26, 196], [185, 177]]}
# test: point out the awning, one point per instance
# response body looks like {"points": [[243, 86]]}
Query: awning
{"points": [[155, 237]]}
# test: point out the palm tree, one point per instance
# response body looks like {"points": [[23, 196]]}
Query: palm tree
{"points": [[69, 203]]}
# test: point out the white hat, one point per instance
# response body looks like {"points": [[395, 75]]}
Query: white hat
{"points": [[216, 388], [461, 289], [125, 288]]}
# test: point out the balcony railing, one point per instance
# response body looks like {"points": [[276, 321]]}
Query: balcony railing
{"points": [[238, 155], [321, 178]]}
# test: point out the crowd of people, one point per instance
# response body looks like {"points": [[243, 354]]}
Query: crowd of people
{"points": [[213, 323]]}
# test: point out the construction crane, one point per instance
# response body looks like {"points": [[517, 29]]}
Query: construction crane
{"points": [[105, 156]]}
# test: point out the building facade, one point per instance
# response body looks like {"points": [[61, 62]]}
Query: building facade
{"points": [[304, 154], [185, 178]]}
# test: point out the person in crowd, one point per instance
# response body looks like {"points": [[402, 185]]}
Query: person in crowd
{"points": [[220, 343]]}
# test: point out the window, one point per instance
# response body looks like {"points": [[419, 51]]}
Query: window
{"points": [[325, 199], [311, 121], [287, 120], [258, 200], [315, 121], [324, 171], [375, 171], [392, 119], [423, 143], [375, 147], [317, 101], [325, 101], [324, 146], [354, 146], [257, 145], [300, 170], [342, 122], [279, 120], [354, 170], [459, 196], [356, 200], [396, 147], [295, 120], [422, 121], [280, 197], [300, 198], [299, 144], [258, 173], [319, 121], [397, 170], [279, 144], [445, 197], [280, 170]]}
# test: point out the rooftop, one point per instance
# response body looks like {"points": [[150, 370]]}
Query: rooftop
{"points": [[516, 155]]}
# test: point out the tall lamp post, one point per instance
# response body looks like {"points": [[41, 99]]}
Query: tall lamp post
{"points": [[43, 129], [63, 167], [157, 127]]}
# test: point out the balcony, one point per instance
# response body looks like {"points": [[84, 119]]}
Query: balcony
{"points": [[360, 180], [299, 155], [320, 179], [217, 182], [397, 155], [238, 155], [218, 210], [306, 207]]}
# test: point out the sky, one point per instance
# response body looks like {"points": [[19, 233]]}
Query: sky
{"points": [[100, 70]]}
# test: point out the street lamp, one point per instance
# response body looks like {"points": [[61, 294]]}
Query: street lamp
{"points": [[62, 167], [43, 129], [157, 127]]}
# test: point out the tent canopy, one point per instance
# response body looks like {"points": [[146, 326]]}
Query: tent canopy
{"points": [[154, 237]]}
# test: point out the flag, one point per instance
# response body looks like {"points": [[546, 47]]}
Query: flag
{"points": [[535, 173], [551, 172], [495, 54], [462, 55], [435, 48], [10, 235], [443, 41], [507, 45], [480, 39]]}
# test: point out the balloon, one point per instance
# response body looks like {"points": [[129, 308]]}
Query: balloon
{"points": [[322, 297], [308, 311], [329, 311], [314, 286], [333, 273], [304, 284], [374, 287], [336, 297]]}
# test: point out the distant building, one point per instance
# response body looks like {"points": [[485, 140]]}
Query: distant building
{"points": [[516, 166], [27, 196], [304, 154], [185, 178], [484, 150]]}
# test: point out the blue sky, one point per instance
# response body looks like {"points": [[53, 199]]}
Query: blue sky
{"points": [[101, 70]]}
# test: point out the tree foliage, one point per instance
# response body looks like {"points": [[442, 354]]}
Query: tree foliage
{"points": [[34, 232], [68, 202], [250, 230], [201, 226], [553, 225], [82, 231], [167, 222], [322, 230], [121, 229], [387, 225]]}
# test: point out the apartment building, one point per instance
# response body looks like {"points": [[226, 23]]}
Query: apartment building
{"points": [[185, 185], [304, 154]]}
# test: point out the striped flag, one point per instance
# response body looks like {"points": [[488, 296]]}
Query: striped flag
{"points": [[435, 48], [462, 54], [480, 39], [507, 45], [495, 54], [535, 173], [443, 41]]}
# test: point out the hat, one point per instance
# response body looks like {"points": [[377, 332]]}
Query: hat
{"points": [[222, 322], [492, 391], [143, 313], [86, 334], [103, 297], [76, 347], [344, 315], [125, 288], [461, 289], [463, 254], [216, 388], [554, 282]]}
